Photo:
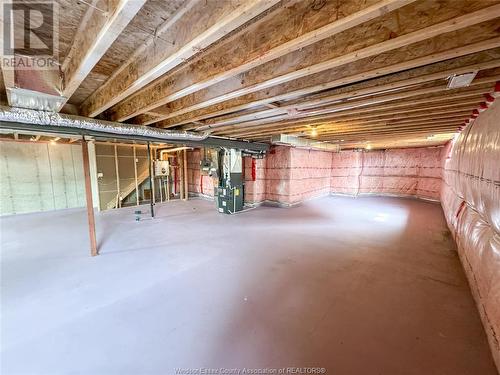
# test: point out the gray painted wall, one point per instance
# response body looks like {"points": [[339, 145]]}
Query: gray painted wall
{"points": [[40, 177]]}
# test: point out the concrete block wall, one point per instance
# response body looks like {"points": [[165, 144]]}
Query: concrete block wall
{"points": [[40, 177]]}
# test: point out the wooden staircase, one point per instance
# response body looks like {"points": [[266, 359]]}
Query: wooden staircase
{"points": [[129, 189]]}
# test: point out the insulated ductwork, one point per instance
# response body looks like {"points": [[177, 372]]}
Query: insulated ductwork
{"points": [[83, 125]]}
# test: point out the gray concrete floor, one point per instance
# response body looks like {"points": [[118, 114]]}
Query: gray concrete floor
{"points": [[357, 286]]}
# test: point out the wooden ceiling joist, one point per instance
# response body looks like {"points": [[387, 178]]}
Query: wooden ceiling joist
{"points": [[314, 102], [304, 124], [374, 102], [454, 112], [8, 81], [289, 92], [211, 71], [347, 127], [96, 34], [350, 71], [449, 128], [254, 81], [408, 108], [195, 28]]}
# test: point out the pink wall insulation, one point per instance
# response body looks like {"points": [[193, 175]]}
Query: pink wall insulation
{"points": [[291, 175], [198, 183], [403, 172], [471, 202]]}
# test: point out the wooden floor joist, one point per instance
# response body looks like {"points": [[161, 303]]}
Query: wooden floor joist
{"points": [[407, 108], [461, 113], [161, 93], [311, 103], [251, 69], [188, 104], [212, 24], [374, 102], [289, 93], [96, 34]]}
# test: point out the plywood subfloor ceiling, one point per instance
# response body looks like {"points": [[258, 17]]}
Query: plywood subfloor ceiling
{"points": [[361, 73]]}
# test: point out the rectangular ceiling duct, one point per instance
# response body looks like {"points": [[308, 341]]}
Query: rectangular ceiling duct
{"points": [[291, 140], [461, 80]]}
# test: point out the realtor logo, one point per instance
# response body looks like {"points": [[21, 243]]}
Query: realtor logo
{"points": [[30, 33]]}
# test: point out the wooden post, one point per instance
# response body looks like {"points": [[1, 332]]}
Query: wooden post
{"points": [[150, 183], [118, 200], [168, 188], [181, 175], [135, 176], [153, 187], [186, 192], [88, 195]]}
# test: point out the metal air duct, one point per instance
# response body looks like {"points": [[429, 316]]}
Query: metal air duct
{"points": [[83, 125]]}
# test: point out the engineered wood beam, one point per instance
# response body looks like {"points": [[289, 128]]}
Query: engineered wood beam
{"points": [[429, 127], [373, 102], [370, 136], [96, 33], [8, 80], [310, 103], [426, 115], [238, 87], [198, 25], [240, 54], [360, 126], [382, 126], [289, 92], [408, 109]]}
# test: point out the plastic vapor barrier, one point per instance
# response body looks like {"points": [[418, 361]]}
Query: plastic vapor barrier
{"points": [[470, 198]]}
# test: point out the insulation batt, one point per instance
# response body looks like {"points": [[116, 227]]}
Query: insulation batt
{"points": [[292, 175], [471, 202], [198, 183]]}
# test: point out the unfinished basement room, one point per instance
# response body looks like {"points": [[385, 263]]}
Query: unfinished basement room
{"points": [[250, 187]]}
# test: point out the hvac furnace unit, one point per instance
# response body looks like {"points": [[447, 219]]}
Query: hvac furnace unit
{"points": [[229, 193]]}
